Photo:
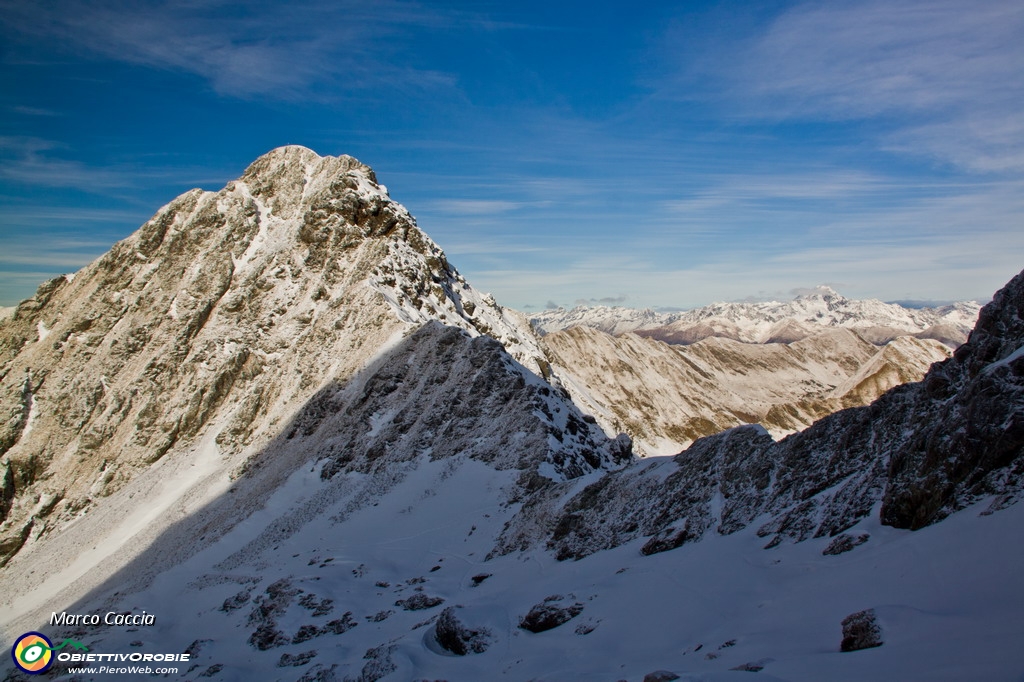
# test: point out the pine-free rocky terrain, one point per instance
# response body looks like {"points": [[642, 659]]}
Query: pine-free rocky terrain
{"points": [[279, 420]]}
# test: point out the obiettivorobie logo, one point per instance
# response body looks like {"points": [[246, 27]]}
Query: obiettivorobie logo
{"points": [[33, 652]]}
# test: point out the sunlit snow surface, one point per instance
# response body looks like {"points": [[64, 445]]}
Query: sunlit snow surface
{"points": [[949, 597]]}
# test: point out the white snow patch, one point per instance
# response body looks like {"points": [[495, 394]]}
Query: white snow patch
{"points": [[33, 413], [1005, 361], [380, 419]]}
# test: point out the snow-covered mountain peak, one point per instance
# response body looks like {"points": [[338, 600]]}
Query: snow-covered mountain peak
{"points": [[292, 167], [823, 292], [213, 323]]}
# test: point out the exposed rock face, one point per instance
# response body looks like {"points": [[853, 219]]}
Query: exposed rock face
{"points": [[968, 418], [219, 310], [924, 450], [672, 500], [665, 397], [419, 602], [445, 394], [845, 542]]}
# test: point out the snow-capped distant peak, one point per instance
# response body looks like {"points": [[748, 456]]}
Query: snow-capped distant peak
{"points": [[821, 291], [758, 322]]}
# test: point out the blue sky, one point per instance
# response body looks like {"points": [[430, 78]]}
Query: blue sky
{"points": [[644, 154]]}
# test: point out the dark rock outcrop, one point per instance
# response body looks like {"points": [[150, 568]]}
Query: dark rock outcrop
{"points": [[660, 676], [454, 636], [969, 441], [419, 602], [845, 542], [549, 615], [861, 631]]}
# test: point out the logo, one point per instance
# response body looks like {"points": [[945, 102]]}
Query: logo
{"points": [[33, 652]]}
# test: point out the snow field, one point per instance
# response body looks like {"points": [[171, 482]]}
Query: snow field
{"points": [[948, 597]]}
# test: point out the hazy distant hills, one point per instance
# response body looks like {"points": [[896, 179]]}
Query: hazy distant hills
{"points": [[666, 396]]}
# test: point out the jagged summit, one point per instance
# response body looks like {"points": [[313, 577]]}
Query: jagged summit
{"points": [[195, 339], [293, 172], [291, 156]]}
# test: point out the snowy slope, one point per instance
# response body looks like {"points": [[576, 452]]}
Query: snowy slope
{"points": [[948, 598]]}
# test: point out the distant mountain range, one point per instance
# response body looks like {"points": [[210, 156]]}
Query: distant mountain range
{"points": [[773, 321], [781, 365], [280, 422]]}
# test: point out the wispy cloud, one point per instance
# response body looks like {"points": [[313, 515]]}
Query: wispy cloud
{"points": [[35, 215], [262, 48], [720, 190], [54, 260], [34, 111], [865, 58], [958, 241], [943, 74], [919, 208], [607, 300], [33, 161], [475, 207], [946, 269], [468, 245]]}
